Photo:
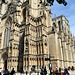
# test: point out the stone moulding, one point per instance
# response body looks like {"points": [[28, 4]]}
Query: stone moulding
{"points": [[25, 3]]}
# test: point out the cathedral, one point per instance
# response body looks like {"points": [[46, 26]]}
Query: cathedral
{"points": [[29, 36]]}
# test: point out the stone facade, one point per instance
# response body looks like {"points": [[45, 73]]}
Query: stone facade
{"points": [[65, 42], [28, 36]]}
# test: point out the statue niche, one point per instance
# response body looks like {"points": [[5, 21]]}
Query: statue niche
{"points": [[24, 15]]}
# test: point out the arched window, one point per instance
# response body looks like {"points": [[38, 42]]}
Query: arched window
{"points": [[4, 38], [39, 48], [54, 25], [7, 32], [45, 43], [26, 42], [24, 15], [59, 25], [65, 29], [52, 28]]}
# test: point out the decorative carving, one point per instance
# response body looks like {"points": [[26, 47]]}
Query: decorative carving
{"points": [[25, 3]]}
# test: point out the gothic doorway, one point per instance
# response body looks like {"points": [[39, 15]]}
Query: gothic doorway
{"points": [[5, 64], [5, 56]]}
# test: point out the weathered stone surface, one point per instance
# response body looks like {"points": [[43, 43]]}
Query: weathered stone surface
{"points": [[28, 35]]}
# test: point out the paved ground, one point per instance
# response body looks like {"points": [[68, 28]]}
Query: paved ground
{"points": [[72, 72]]}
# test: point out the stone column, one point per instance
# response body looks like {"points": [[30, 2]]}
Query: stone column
{"points": [[61, 50]]}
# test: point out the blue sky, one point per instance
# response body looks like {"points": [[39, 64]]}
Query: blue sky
{"points": [[68, 11]]}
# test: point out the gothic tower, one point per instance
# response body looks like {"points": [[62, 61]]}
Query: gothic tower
{"points": [[37, 23], [28, 37]]}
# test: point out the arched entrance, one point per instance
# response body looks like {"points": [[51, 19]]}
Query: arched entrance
{"points": [[5, 56]]}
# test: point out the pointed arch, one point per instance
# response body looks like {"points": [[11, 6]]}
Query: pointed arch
{"points": [[24, 14], [53, 29], [9, 19], [8, 23], [59, 25], [54, 25], [26, 42], [4, 43], [45, 42]]}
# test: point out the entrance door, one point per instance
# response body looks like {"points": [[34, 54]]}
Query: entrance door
{"points": [[5, 56], [5, 64]]}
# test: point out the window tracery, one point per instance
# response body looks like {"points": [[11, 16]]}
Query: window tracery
{"points": [[7, 32]]}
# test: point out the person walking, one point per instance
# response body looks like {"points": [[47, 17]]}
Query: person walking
{"points": [[7, 72], [66, 72], [4, 71], [45, 71], [59, 69], [56, 71], [0, 71], [12, 72], [72, 68], [42, 70]]}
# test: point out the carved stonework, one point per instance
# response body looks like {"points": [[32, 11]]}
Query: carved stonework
{"points": [[28, 36]]}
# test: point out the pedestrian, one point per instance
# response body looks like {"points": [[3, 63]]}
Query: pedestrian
{"points": [[4, 71], [56, 71], [0, 71], [59, 69], [45, 71], [72, 68], [66, 72], [42, 70], [12, 72], [69, 68], [22, 71], [7, 72]]}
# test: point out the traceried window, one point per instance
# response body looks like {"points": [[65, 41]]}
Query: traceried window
{"points": [[59, 25], [26, 42], [53, 29], [24, 15], [54, 25], [7, 33]]}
